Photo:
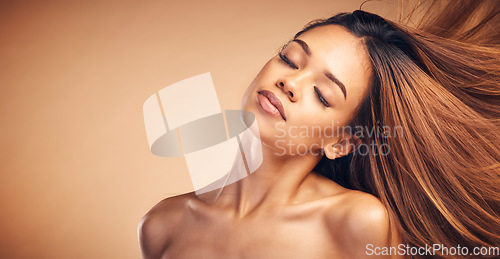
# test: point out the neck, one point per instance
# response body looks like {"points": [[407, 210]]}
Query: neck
{"points": [[276, 181]]}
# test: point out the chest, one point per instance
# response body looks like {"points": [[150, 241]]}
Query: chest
{"points": [[274, 237]]}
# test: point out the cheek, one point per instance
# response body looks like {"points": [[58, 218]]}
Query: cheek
{"points": [[322, 127], [266, 77], [271, 71], [261, 77]]}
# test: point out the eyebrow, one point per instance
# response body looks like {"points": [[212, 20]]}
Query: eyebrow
{"points": [[336, 81], [304, 46], [328, 74]]}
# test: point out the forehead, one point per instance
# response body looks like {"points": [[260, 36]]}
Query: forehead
{"points": [[335, 49]]}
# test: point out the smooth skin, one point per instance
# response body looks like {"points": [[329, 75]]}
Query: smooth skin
{"points": [[284, 209]]}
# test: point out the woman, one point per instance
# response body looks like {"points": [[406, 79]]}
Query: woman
{"points": [[413, 150]]}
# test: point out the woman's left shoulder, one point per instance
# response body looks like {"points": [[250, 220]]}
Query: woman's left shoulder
{"points": [[359, 220], [365, 214]]}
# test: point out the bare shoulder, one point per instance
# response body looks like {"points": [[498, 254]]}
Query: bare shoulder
{"points": [[365, 213], [359, 221], [158, 225]]}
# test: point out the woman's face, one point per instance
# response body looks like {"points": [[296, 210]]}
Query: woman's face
{"points": [[320, 78]]}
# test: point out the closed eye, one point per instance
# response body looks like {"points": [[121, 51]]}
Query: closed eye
{"points": [[287, 61], [320, 97]]}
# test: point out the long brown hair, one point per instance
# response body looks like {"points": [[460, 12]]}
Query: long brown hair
{"points": [[439, 81]]}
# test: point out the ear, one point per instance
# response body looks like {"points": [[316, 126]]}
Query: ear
{"points": [[341, 148]]}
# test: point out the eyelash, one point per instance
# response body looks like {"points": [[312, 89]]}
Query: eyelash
{"points": [[287, 61], [292, 65], [320, 97]]}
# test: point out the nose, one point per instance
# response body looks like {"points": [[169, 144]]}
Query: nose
{"points": [[285, 87], [293, 84]]}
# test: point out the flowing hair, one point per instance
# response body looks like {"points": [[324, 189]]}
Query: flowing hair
{"points": [[439, 82]]}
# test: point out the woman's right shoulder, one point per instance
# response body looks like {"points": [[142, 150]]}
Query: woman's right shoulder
{"points": [[161, 223]]}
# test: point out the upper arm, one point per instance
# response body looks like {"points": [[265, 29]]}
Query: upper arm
{"points": [[152, 236], [157, 227]]}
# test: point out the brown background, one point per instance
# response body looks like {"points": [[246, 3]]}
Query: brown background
{"points": [[76, 171]]}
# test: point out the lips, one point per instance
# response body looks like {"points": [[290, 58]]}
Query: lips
{"points": [[271, 103]]}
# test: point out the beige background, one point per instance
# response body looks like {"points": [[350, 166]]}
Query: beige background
{"points": [[76, 173]]}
